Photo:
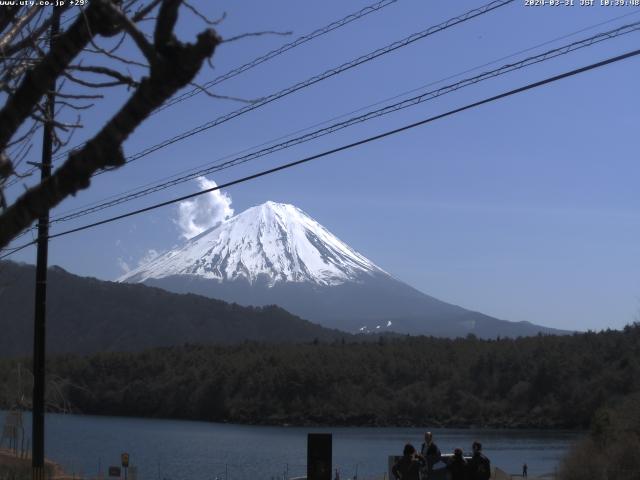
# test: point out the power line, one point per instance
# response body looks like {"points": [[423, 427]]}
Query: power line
{"points": [[43, 39], [175, 179], [323, 76], [310, 81], [17, 249], [359, 119], [199, 170], [590, 27], [266, 57], [349, 146], [279, 51], [423, 97]]}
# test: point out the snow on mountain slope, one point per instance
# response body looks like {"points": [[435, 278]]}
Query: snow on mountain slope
{"points": [[273, 242], [283, 257]]}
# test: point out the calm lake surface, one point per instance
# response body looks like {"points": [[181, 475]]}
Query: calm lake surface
{"points": [[181, 450]]}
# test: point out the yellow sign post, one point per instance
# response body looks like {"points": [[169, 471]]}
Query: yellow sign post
{"points": [[125, 463]]}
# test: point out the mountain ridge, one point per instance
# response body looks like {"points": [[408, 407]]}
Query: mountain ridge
{"points": [[276, 254], [87, 315], [275, 240]]}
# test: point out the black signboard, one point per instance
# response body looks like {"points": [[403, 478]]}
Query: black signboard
{"points": [[319, 450]]}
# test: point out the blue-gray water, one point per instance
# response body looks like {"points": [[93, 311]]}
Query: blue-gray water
{"points": [[180, 450]]}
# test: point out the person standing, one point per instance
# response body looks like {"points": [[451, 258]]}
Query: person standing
{"points": [[431, 454], [408, 467], [524, 470], [479, 465], [457, 466]]}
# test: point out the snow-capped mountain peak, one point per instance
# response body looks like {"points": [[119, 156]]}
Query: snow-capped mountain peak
{"points": [[272, 242]]}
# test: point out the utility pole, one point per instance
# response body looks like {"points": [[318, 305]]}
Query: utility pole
{"points": [[39, 331]]}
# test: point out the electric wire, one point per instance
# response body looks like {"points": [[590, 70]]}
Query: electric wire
{"points": [[563, 50], [349, 146], [309, 82], [323, 76], [279, 51], [34, 168], [423, 97], [493, 5], [375, 7], [380, 102], [313, 80], [177, 179]]}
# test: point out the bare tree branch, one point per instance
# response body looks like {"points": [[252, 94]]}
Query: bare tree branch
{"points": [[90, 84], [143, 12], [99, 19], [63, 143], [221, 97], [77, 96], [74, 106], [206, 20], [119, 43], [7, 15], [98, 70], [61, 125], [25, 136], [6, 166], [141, 41], [25, 42], [21, 23], [177, 64], [167, 19], [254, 34], [111, 54], [22, 154]]}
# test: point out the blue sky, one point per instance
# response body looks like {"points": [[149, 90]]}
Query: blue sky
{"points": [[524, 209]]}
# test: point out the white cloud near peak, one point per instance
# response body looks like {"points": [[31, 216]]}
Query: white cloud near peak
{"points": [[203, 212], [124, 266], [148, 257]]}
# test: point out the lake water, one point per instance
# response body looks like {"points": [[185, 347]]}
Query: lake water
{"points": [[181, 450]]}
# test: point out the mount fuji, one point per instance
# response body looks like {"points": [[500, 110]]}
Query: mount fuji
{"points": [[276, 254]]}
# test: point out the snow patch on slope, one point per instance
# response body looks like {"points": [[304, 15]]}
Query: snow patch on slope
{"points": [[272, 242]]}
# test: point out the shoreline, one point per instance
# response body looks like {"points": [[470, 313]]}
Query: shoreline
{"points": [[12, 460], [308, 423], [88, 439]]}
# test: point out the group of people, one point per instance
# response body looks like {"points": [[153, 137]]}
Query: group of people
{"points": [[420, 466]]}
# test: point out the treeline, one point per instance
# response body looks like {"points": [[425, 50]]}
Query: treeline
{"points": [[610, 452], [543, 381], [86, 315]]}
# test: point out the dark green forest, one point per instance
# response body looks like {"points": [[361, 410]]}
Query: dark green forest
{"points": [[610, 451], [543, 381], [86, 315]]}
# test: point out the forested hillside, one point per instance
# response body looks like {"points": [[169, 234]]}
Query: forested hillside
{"points": [[87, 315], [610, 451], [544, 381]]}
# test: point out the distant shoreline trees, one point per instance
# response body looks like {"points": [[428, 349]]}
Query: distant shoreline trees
{"points": [[610, 452], [533, 382]]}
